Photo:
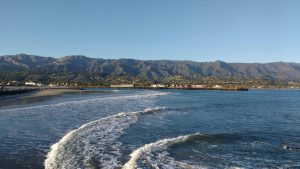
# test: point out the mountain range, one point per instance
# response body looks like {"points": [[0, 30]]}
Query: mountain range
{"points": [[32, 66]]}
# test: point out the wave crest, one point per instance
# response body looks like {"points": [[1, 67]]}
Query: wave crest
{"points": [[93, 144], [156, 156]]}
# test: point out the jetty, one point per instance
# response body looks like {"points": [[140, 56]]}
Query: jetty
{"points": [[13, 91]]}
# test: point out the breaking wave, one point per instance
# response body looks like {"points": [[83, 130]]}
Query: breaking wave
{"points": [[155, 155], [93, 144], [91, 101]]}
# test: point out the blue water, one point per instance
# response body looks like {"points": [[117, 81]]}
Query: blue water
{"points": [[155, 129]]}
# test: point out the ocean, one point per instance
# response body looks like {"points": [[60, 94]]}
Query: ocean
{"points": [[154, 129]]}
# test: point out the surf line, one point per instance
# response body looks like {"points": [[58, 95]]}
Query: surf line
{"points": [[97, 99], [93, 144], [145, 154]]}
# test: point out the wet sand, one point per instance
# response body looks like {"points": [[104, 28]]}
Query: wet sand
{"points": [[53, 92], [39, 96]]}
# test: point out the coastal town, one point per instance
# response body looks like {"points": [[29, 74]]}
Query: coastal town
{"points": [[16, 87]]}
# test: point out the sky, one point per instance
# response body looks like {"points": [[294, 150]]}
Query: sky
{"points": [[198, 30]]}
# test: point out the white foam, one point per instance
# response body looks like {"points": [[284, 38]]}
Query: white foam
{"points": [[92, 144], [156, 156], [146, 94]]}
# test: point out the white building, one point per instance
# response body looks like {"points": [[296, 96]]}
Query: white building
{"points": [[122, 86], [198, 86], [217, 87], [158, 85], [30, 83], [52, 85]]}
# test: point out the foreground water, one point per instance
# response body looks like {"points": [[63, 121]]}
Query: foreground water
{"points": [[155, 129]]}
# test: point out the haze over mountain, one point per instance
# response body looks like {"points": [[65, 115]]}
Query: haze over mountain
{"points": [[147, 69]]}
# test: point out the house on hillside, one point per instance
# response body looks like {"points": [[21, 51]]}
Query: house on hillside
{"points": [[30, 83], [158, 85], [198, 86], [217, 87], [122, 86]]}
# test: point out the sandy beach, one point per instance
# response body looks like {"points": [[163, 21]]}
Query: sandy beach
{"points": [[39, 96], [52, 92]]}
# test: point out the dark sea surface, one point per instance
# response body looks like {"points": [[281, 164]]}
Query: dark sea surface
{"points": [[154, 129]]}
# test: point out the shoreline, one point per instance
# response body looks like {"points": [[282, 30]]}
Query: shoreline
{"points": [[36, 92], [51, 92], [12, 91], [38, 95]]}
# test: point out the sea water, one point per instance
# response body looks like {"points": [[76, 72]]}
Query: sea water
{"points": [[155, 129]]}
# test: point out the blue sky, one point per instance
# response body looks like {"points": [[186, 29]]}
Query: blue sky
{"points": [[199, 30]]}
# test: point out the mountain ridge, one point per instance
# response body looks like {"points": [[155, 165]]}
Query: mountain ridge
{"points": [[146, 69]]}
